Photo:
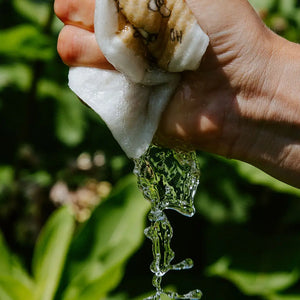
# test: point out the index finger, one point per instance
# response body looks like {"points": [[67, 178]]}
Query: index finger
{"points": [[79, 13]]}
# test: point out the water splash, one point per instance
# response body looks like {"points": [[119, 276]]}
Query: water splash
{"points": [[169, 180]]}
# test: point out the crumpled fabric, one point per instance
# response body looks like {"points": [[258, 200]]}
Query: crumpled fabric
{"points": [[131, 99]]}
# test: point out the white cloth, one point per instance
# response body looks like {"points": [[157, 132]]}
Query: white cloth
{"points": [[131, 100]]}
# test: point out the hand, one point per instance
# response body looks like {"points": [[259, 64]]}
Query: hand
{"points": [[77, 44], [236, 104], [198, 112], [207, 109]]}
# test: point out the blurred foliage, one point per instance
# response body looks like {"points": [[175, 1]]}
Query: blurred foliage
{"points": [[71, 217], [83, 262]]}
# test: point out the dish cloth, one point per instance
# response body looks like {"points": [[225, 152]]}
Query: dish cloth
{"points": [[149, 42]]}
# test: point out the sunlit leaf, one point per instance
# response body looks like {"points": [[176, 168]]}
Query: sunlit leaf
{"points": [[287, 7], [284, 297], [256, 176], [121, 296], [25, 41], [98, 288], [18, 75], [50, 253], [6, 175], [262, 4], [35, 10], [111, 235], [11, 267], [13, 289]]}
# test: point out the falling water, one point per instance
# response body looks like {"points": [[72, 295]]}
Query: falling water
{"points": [[169, 180]]}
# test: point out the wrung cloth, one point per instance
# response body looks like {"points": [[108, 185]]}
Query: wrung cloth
{"points": [[149, 42]]}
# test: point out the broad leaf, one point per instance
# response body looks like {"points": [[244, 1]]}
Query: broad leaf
{"points": [[98, 288], [10, 268], [112, 234], [15, 75], [121, 296], [226, 202], [25, 41], [254, 282], [13, 289], [284, 297], [257, 265], [36, 11], [262, 4], [50, 253], [70, 124], [70, 121], [256, 176], [287, 7]]}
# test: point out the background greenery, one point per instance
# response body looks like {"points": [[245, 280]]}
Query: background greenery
{"points": [[71, 216]]}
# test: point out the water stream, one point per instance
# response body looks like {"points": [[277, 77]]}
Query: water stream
{"points": [[169, 180]]}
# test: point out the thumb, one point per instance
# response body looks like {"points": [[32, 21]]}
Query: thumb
{"points": [[220, 15]]}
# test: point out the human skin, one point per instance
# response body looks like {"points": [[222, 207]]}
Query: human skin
{"points": [[242, 103]]}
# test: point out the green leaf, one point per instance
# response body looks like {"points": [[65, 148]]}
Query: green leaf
{"points": [[121, 296], [70, 124], [50, 253], [256, 176], [112, 234], [41, 178], [287, 7], [284, 297], [6, 176], [11, 267], [26, 41], [36, 11], [98, 288], [256, 264], [13, 289], [70, 115], [262, 4], [254, 283], [227, 202], [15, 75]]}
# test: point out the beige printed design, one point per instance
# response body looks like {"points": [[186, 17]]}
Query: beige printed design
{"points": [[159, 5], [154, 28]]}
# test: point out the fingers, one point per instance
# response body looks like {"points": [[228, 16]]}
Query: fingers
{"points": [[77, 44], [78, 47], [76, 12]]}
